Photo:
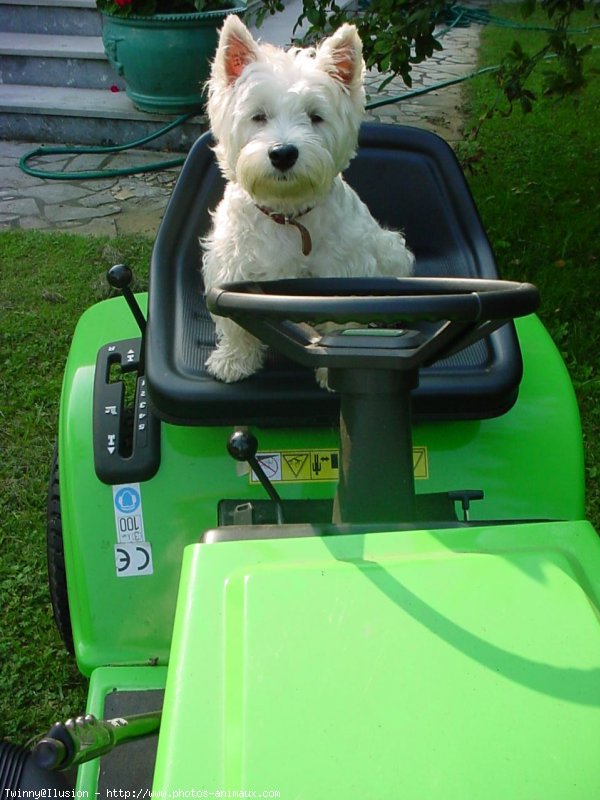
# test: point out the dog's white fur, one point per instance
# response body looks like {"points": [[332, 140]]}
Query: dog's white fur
{"points": [[261, 97]]}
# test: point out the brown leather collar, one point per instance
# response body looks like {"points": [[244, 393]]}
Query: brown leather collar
{"points": [[283, 219]]}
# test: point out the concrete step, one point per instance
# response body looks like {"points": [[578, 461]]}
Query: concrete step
{"points": [[50, 60], [85, 116], [60, 17], [55, 81]]}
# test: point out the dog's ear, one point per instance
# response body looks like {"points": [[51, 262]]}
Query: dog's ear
{"points": [[341, 56], [236, 50]]}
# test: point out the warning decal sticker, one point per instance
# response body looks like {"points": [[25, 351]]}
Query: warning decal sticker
{"points": [[301, 466], [420, 463]]}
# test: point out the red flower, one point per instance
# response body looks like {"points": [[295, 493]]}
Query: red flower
{"points": [[123, 3]]}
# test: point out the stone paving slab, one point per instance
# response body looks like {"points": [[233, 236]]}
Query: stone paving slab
{"points": [[135, 203]]}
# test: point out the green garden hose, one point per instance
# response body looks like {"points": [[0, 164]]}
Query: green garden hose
{"points": [[431, 88], [44, 150]]}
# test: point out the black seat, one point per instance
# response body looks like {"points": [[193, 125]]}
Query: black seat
{"points": [[410, 180]]}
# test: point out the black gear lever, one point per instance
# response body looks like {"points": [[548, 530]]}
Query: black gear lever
{"points": [[120, 277], [243, 446]]}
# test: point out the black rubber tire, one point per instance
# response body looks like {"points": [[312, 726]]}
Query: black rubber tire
{"points": [[57, 575]]}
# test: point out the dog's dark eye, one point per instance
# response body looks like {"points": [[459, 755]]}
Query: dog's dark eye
{"points": [[259, 117], [315, 118]]}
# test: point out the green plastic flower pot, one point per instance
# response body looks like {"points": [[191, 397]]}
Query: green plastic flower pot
{"points": [[164, 59]]}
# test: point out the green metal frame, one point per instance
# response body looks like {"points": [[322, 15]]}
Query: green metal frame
{"points": [[529, 463]]}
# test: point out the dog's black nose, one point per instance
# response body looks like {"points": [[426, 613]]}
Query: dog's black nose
{"points": [[283, 156]]}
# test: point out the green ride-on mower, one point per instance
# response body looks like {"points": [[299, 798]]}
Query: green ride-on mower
{"points": [[388, 590]]}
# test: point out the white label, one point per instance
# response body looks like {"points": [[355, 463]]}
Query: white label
{"points": [[271, 464], [132, 560], [133, 554], [129, 518]]}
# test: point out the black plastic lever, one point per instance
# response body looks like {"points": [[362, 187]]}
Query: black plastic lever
{"points": [[466, 496], [243, 446], [120, 277]]}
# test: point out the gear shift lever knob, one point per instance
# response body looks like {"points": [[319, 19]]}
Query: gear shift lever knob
{"points": [[120, 277], [243, 446]]}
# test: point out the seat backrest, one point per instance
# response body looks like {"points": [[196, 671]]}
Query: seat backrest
{"points": [[410, 180]]}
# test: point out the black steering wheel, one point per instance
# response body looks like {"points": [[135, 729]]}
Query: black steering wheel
{"points": [[439, 316]]}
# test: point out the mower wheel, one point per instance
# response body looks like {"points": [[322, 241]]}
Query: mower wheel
{"points": [[57, 576]]}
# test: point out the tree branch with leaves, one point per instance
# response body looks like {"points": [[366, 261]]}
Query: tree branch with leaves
{"points": [[397, 34]]}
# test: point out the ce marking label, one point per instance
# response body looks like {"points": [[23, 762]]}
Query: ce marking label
{"points": [[132, 559]]}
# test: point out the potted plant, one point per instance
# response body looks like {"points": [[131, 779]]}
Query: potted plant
{"points": [[163, 48]]}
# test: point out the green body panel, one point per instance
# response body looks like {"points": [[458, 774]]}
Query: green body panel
{"points": [[529, 462], [438, 664], [104, 681]]}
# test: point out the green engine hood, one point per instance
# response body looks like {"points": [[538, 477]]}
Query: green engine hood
{"points": [[449, 664]]}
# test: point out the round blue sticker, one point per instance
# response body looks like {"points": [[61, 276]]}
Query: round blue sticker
{"points": [[127, 500]]}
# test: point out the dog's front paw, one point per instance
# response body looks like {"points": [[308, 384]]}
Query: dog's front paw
{"points": [[230, 367], [322, 375]]}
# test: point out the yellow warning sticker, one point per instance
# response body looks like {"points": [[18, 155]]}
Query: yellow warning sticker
{"points": [[302, 466], [295, 466], [420, 463]]}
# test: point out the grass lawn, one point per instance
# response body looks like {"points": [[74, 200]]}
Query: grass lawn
{"points": [[536, 187], [46, 282]]}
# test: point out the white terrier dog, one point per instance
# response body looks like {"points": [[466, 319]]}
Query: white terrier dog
{"points": [[286, 124]]}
